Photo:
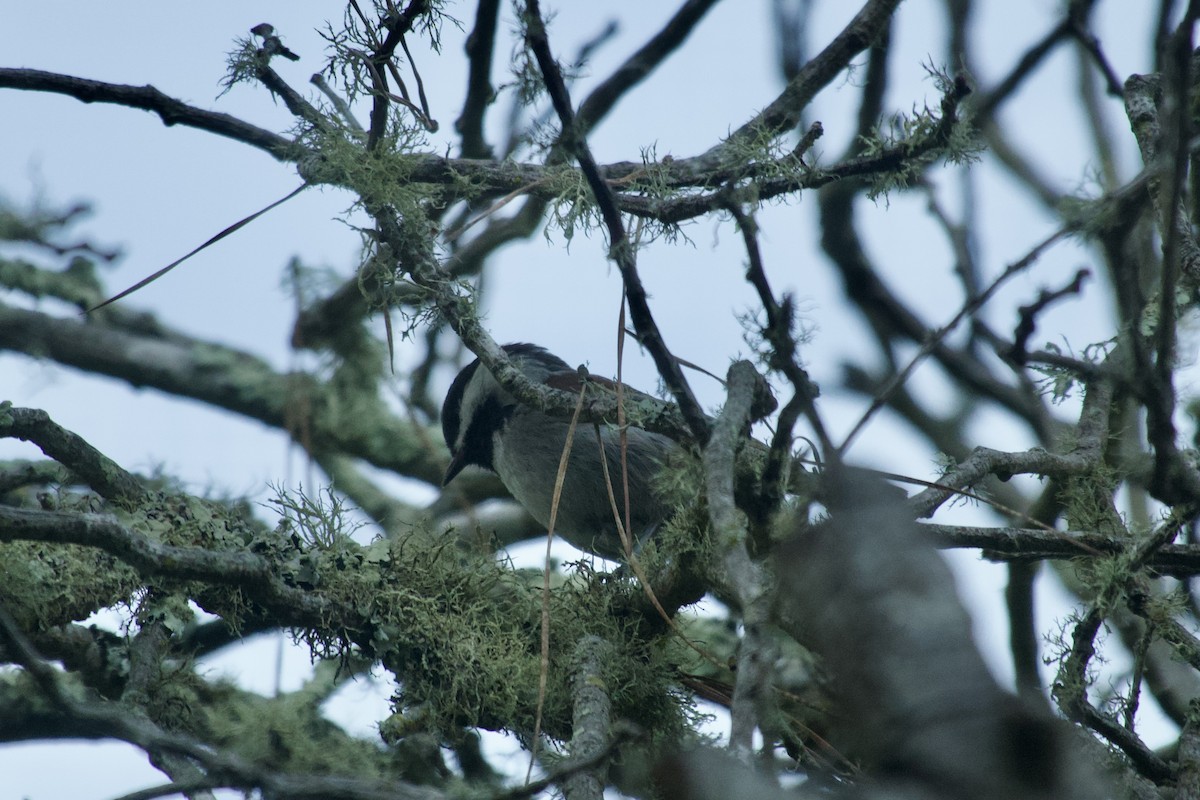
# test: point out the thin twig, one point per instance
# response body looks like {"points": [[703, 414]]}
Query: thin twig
{"points": [[213, 240], [544, 668], [935, 338], [620, 249]]}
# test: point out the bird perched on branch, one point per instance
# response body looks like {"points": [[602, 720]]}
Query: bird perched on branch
{"points": [[486, 426]]}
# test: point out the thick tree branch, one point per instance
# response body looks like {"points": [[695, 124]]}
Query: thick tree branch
{"points": [[487, 175], [111, 720], [93, 467], [916, 702], [750, 707], [252, 573], [145, 353], [592, 718]]}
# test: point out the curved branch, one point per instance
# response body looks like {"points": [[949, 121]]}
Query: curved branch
{"points": [[486, 175], [913, 699], [148, 98], [639, 65], [89, 464], [984, 461], [481, 44]]}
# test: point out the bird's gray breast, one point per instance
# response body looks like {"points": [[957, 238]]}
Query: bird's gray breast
{"points": [[526, 456]]}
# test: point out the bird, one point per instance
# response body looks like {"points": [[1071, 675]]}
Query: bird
{"points": [[486, 426]]}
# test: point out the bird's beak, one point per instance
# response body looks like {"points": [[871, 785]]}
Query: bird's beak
{"points": [[457, 462]]}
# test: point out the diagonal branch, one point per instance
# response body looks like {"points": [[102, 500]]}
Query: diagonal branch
{"points": [[148, 98], [639, 65], [67, 448], [620, 248], [784, 112]]}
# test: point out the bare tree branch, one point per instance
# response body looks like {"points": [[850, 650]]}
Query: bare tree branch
{"points": [[147, 98]]}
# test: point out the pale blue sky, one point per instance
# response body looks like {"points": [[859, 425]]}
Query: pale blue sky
{"points": [[158, 192]]}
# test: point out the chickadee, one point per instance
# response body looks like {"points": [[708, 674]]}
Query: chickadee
{"points": [[486, 426]]}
